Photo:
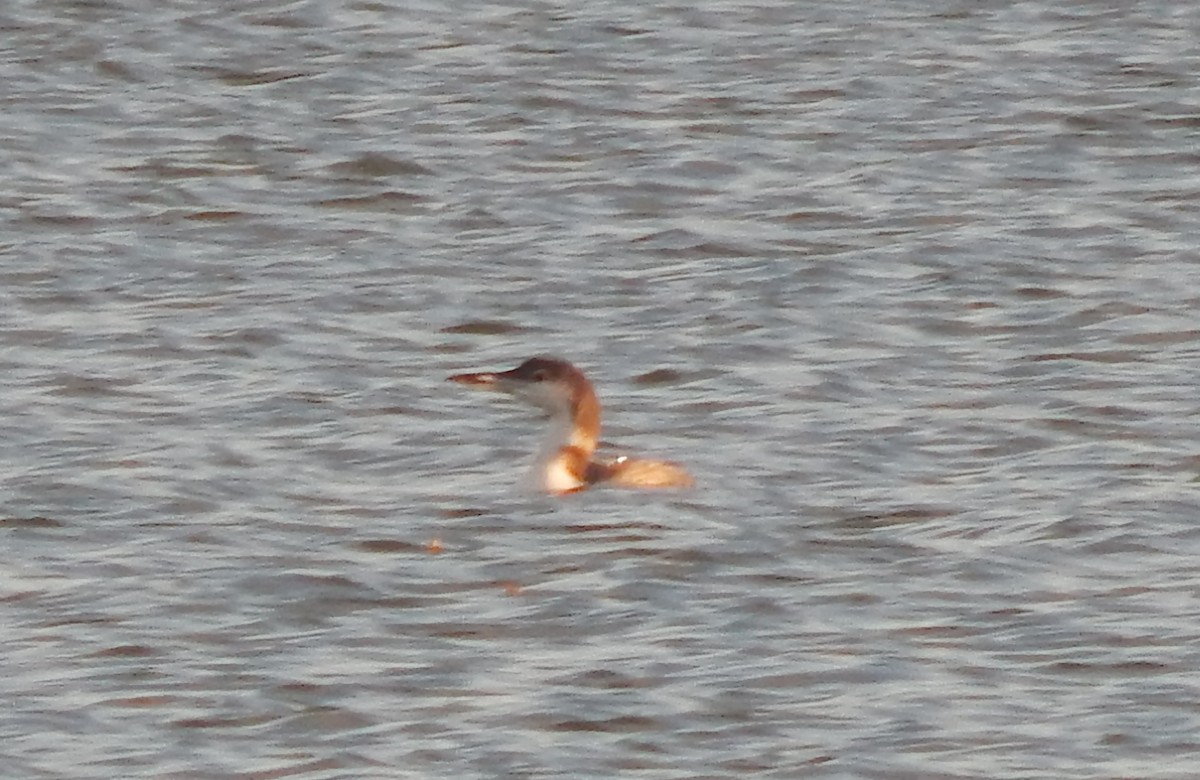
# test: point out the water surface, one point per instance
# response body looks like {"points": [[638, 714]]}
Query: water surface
{"points": [[911, 290]]}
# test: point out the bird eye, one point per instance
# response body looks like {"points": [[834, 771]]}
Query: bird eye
{"points": [[539, 376]]}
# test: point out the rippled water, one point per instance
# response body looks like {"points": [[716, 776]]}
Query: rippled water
{"points": [[911, 288]]}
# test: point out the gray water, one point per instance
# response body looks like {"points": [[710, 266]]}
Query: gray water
{"points": [[910, 288]]}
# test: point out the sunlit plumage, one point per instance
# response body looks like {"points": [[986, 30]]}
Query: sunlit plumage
{"points": [[565, 461]]}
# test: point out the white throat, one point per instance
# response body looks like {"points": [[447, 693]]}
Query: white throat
{"points": [[550, 471]]}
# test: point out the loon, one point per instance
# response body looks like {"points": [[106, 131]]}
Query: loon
{"points": [[564, 463]]}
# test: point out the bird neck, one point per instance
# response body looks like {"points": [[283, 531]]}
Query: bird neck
{"points": [[582, 425], [563, 462]]}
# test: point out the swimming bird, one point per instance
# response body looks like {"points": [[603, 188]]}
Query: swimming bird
{"points": [[564, 463]]}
